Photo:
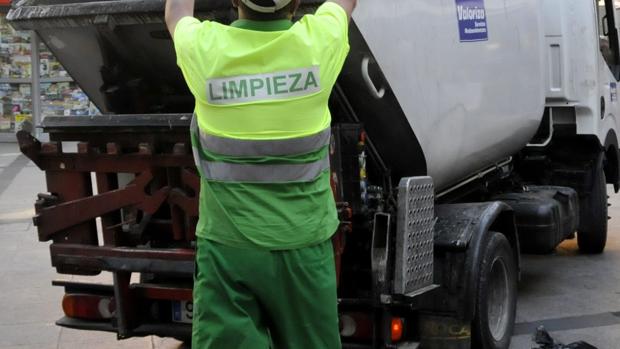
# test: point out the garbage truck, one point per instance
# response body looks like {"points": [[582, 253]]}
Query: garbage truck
{"points": [[465, 133]]}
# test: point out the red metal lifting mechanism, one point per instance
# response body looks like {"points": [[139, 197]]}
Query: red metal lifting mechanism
{"points": [[154, 152], [135, 173]]}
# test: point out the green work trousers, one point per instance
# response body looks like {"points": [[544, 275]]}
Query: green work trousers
{"points": [[259, 299]]}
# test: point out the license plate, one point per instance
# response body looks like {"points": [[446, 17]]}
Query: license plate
{"points": [[182, 311]]}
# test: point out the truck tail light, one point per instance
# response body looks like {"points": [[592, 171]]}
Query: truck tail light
{"points": [[88, 306], [396, 329]]}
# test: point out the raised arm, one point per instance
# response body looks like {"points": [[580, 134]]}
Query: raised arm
{"points": [[347, 5], [175, 10]]}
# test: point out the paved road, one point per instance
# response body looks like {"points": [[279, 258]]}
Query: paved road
{"points": [[576, 296]]}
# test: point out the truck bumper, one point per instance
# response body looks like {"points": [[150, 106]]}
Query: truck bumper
{"points": [[179, 331]]}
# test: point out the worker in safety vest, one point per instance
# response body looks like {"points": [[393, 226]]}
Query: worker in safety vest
{"points": [[265, 273]]}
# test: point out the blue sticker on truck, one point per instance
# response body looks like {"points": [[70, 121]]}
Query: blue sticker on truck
{"points": [[613, 91], [472, 18]]}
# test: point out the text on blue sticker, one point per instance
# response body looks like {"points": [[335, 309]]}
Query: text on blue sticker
{"points": [[472, 18]]}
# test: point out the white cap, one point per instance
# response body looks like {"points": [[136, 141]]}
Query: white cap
{"points": [[266, 6]]}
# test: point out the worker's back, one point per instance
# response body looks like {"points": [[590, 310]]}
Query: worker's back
{"points": [[261, 91]]}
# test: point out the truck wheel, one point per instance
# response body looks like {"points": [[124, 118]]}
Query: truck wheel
{"points": [[496, 300], [593, 236]]}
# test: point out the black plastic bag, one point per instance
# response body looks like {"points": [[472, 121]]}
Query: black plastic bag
{"points": [[544, 339]]}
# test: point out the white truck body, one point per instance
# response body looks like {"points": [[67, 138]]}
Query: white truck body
{"points": [[470, 103], [474, 103]]}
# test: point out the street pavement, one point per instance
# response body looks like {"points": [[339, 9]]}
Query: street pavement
{"points": [[575, 296]]}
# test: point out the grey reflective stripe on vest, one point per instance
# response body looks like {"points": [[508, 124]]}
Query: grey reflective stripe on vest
{"points": [[228, 172], [262, 173], [193, 129], [275, 147]]}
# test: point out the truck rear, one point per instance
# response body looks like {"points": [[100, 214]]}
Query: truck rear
{"points": [[463, 133]]}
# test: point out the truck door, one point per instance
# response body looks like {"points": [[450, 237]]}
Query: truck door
{"points": [[609, 25]]}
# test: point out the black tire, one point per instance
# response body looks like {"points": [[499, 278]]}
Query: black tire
{"points": [[496, 299], [592, 236]]}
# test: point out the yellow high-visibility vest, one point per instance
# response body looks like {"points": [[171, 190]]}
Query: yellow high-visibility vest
{"points": [[262, 125]]}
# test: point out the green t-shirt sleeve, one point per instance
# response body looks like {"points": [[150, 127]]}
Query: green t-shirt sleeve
{"points": [[332, 23], [189, 44]]}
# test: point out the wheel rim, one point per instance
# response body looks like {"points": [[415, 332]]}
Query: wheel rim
{"points": [[498, 299]]}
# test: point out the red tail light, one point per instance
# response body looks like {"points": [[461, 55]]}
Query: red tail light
{"points": [[397, 329], [88, 306]]}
